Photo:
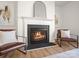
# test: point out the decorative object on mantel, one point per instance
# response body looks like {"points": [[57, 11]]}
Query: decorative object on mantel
{"points": [[39, 10], [4, 16], [56, 20]]}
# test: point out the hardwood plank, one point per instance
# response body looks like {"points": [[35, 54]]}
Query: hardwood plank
{"points": [[44, 52], [39, 53], [34, 54], [28, 54]]}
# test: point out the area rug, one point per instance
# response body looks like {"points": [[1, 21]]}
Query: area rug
{"points": [[74, 53]]}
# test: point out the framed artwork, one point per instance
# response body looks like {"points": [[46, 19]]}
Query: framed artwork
{"points": [[4, 15]]}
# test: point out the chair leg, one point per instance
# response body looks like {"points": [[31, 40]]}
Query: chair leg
{"points": [[59, 42], [4, 56], [77, 44], [24, 51], [77, 41]]}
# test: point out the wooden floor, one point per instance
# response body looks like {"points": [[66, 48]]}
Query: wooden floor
{"points": [[43, 52]]}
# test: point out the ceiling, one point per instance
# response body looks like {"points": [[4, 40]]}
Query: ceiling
{"points": [[61, 3]]}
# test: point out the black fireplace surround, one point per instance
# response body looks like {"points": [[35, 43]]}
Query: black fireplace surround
{"points": [[38, 36]]}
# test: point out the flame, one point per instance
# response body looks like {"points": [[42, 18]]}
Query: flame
{"points": [[38, 36], [38, 33]]}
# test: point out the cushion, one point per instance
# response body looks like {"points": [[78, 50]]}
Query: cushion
{"points": [[7, 37], [65, 33]]}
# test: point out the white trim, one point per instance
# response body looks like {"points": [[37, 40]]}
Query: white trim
{"points": [[34, 18]]}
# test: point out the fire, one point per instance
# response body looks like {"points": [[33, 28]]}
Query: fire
{"points": [[38, 36]]}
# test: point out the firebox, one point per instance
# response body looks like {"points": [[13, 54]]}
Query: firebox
{"points": [[38, 36]]}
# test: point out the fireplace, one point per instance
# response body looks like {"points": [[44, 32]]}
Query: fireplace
{"points": [[38, 36]]}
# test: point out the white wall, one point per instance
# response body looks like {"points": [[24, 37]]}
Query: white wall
{"points": [[12, 7], [25, 9], [70, 17]]}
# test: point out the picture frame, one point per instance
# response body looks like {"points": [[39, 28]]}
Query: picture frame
{"points": [[5, 16]]}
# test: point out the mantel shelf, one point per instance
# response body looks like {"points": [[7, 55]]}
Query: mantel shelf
{"points": [[35, 18]]}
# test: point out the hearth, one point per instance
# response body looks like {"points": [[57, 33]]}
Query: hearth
{"points": [[38, 36]]}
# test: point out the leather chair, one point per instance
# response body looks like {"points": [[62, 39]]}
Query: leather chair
{"points": [[67, 39], [9, 47], [6, 48]]}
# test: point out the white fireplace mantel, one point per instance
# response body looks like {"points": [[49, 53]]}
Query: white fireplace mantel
{"points": [[24, 21]]}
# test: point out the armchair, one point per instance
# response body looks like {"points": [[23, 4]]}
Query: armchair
{"points": [[64, 35], [7, 46]]}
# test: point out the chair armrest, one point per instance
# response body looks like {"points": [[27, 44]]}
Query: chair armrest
{"points": [[75, 35], [24, 41], [22, 36]]}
